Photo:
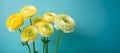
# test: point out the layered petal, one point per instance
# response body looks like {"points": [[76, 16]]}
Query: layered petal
{"points": [[29, 33], [14, 22], [45, 29], [49, 17], [65, 23], [28, 11], [36, 20]]}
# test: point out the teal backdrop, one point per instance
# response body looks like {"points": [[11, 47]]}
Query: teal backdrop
{"points": [[97, 27]]}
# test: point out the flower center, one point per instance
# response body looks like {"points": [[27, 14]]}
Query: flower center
{"points": [[27, 11], [13, 20], [46, 27], [49, 15], [29, 33], [64, 19]]}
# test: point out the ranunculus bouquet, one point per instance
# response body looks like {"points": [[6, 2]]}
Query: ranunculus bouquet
{"points": [[43, 25]]}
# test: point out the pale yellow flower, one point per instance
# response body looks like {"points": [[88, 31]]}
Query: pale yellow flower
{"points": [[29, 33], [65, 23], [14, 22], [28, 11], [49, 17], [36, 20], [45, 29]]}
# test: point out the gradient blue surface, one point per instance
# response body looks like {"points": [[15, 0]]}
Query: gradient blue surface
{"points": [[97, 26]]}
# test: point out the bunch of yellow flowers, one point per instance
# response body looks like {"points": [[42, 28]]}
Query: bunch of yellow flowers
{"points": [[43, 25]]}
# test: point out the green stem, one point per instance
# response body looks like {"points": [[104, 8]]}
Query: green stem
{"points": [[43, 47], [33, 41], [29, 48], [43, 40], [34, 47], [30, 21], [46, 44], [19, 30], [57, 43]]}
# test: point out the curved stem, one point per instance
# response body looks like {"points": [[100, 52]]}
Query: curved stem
{"points": [[29, 48], [57, 43]]}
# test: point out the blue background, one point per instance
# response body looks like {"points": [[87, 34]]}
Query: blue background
{"points": [[97, 27]]}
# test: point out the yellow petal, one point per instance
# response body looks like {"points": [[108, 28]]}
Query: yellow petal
{"points": [[36, 20], [29, 33], [14, 22], [49, 16], [45, 29], [28, 11]]}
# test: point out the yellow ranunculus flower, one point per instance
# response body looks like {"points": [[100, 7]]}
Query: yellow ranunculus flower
{"points": [[36, 20], [29, 33], [65, 23], [14, 22], [49, 17], [28, 11], [45, 29]]}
